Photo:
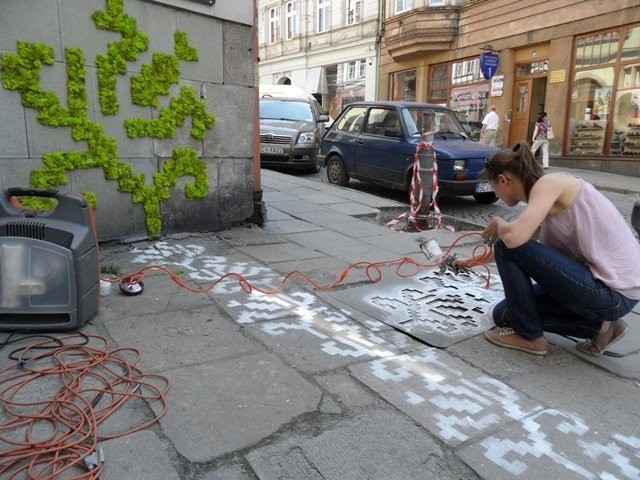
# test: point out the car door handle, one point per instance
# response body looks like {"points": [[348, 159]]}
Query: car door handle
{"points": [[360, 141]]}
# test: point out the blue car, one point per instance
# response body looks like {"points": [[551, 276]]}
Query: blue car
{"points": [[376, 142]]}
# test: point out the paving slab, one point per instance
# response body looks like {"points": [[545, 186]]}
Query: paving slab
{"points": [[554, 444], [325, 218], [279, 252], [352, 395], [453, 400], [220, 407], [325, 341], [374, 445], [289, 225], [139, 455], [350, 208], [171, 339]]}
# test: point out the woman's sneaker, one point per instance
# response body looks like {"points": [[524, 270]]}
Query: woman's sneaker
{"points": [[598, 344], [508, 338]]}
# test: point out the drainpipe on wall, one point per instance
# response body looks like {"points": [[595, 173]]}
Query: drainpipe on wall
{"points": [[380, 29], [259, 210]]}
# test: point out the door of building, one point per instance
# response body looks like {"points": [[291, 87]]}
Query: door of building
{"points": [[521, 114]]}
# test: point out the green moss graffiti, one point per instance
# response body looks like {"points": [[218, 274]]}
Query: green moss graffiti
{"points": [[21, 71]]}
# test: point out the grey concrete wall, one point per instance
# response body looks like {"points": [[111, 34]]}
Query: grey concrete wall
{"points": [[223, 76]]}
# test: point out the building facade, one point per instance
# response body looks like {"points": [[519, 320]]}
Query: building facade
{"points": [[579, 61], [329, 48]]}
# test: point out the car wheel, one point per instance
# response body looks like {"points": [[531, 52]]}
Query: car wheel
{"points": [[315, 168], [336, 173], [485, 198]]}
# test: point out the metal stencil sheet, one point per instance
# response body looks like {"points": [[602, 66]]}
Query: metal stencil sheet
{"points": [[439, 309]]}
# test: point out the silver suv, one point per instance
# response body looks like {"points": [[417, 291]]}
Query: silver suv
{"points": [[291, 128]]}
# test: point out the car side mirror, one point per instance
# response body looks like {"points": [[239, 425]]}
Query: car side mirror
{"points": [[323, 118]]}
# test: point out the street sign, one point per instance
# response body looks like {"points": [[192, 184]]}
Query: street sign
{"points": [[489, 64]]}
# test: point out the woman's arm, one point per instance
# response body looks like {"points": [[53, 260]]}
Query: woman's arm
{"points": [[544, 194], [535, 133]]}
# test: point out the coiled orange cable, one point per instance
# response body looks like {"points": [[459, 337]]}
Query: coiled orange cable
{"points": [[60, 434]]}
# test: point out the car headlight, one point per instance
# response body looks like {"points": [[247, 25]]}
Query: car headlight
{"points": [[307, 137], [459, 165]]}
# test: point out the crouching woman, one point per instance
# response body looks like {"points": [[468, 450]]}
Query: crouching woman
{"points": [[569, 263]]}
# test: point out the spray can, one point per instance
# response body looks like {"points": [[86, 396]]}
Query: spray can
{"points": [[431, 250]]}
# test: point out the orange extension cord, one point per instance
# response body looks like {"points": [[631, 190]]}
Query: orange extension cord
{"points": [[61, 433], [481, 253], [93, 382]]}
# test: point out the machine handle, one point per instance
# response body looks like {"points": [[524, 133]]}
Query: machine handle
{"points": [[32, 192]]}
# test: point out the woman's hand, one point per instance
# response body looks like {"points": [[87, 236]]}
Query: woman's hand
{"points": [[490, 234], [459, 263]]}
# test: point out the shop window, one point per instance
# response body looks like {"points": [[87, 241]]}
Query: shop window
{"points": [[470, 103], [597, 49], [605, 95], [403, 86], [631, 45], [590, 110], [625, 138], [439, 84]]}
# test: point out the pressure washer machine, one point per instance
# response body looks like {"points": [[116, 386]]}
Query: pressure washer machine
{"points": [[49, 265]]}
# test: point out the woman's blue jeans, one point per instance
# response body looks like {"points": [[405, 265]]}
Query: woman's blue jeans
{"points": [[565, 299]]}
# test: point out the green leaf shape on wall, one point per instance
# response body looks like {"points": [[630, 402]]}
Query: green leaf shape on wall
{"points": [[22, 71], [187, 104], [182, 49], [115, 61]]}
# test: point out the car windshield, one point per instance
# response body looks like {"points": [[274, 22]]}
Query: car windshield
{"points": [[285, 110], [441, 122]]}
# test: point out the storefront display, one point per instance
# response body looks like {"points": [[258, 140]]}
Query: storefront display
{"points": [[607, 67]]}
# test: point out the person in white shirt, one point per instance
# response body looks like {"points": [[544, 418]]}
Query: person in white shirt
{"points": [[490, 124]]}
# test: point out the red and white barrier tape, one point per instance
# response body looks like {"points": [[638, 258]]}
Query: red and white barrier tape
{"points": [[416, 190]]}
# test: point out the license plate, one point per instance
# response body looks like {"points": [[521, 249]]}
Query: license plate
{"points": [[275, 149], [483, 187]]}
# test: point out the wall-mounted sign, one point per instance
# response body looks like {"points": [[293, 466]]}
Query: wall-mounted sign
{"points": [[489, 64], [497, 85], [557, 76]]}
